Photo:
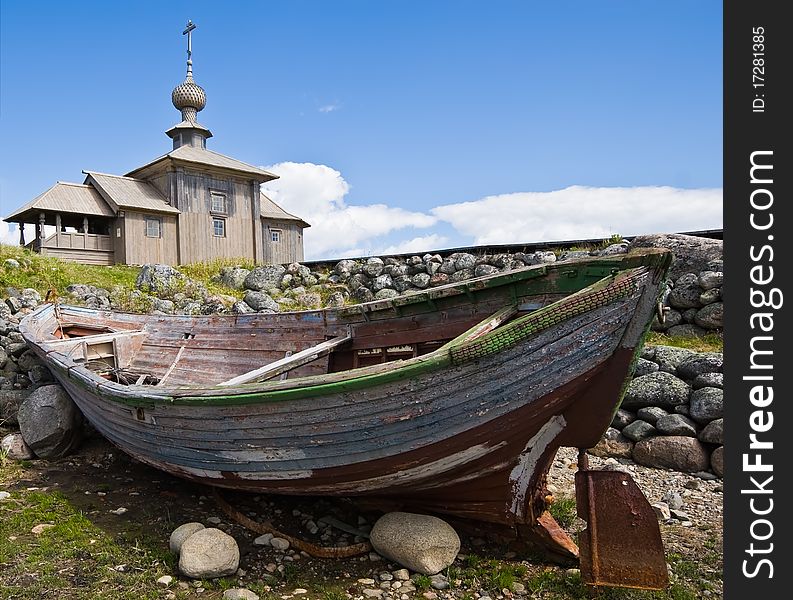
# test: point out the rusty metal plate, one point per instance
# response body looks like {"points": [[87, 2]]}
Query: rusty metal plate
{"points": [[621, 545]]}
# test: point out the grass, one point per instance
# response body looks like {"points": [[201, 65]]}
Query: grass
{"points": [[711, 342], [563, 510], [74, 555]]}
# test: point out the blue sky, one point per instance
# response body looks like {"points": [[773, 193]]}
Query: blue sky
{"points": [[393, 125]]}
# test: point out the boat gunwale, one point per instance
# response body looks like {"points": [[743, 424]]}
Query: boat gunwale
{"points": [[316, 385]]}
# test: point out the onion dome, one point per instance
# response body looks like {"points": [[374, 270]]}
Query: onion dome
{"points": [[189, 94]]}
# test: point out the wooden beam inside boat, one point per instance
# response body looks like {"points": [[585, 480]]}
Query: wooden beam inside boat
{"points": [[290, 362]]}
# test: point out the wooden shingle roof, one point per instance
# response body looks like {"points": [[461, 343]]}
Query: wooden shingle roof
{"points": [[202, 157], [270, 210], [128, 193], [63, 197]]}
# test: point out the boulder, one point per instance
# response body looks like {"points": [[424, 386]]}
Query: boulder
{"points": [[50, 422], [709, 280], [260, 301], [159, 279], [713, 433], [373, 267], [381, 282], [638, 430], [651, 414], [708, 380], [691, 253], [15, 447], [685, 293], [234, 277], [209, 553], [669, 358], [706, 405], [709, 297], [671, 318], [263, 277], [421, 543], [482, 270], [181, 533], [680, 453], [644, 367], [622, 418], [710, 316], [700, 363], [386, 294], [717, 461], [676, 424], [421, 280], [617, 446], [463, 260], [656, 389]]}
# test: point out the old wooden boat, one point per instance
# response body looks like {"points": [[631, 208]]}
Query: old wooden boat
{"points": [[453, 400]]}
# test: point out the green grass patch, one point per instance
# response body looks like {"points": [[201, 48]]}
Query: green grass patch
{"points": [[74, 556], [711, 342], [563, 510]]}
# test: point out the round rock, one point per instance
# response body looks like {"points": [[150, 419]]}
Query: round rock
{"points": [[263, 277], [703, 362], [680, 453], [711, 316], [50, 422], [669, 358], [16, 448], [638, 430], [656, 389], [181, 533], [708, 380], [651, 414], [676, 424], [209, 553], [421, 543], [713, 433], [644, 367], [686, 292], [707, 404], [622, 418]]}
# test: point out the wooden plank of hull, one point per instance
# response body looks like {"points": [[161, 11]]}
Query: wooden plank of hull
{"points": [[409, 431]]}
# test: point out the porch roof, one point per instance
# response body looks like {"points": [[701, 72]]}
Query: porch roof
{"points": [[63, 197]]}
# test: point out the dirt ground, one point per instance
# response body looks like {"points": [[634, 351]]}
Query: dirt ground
{"points": [[133, 502]]}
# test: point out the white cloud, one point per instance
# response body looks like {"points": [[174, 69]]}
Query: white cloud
{"points": [[579, 212], [329, 107], [316, 193], [419, 244]]}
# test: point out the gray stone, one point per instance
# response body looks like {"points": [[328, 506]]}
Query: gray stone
{"points": [[463, 260], [280, 544], [343, 268], [680, 453], [241, 308], [181, 533], [682, 409], [708, 380], [685, 293], [713, 433], [358, 280], [363, 294], [336, 300], [644, 367], [706, 404], [263, 277], [234, 277], [656, 389], [309, 300], [638, 430], [385, 294], [710, 316], [381, 282], [717, 461], [651, 414], [260, 301], [671, 357], [691, 254], [648, 352], [676, 424], [402, 283], [209, 553], [709, 297], [373, 267], [159, 279], [715, 265], [461, 275], [240, 594], [611, 249], [421, 543], [50, 422], [421, 280], [689, 314], [622, 418], [15, 447], [11, 264], [686, 330], [482, 270], [439, 279], [544, 256], [662, 511], [709, 280], [700, 363]]}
